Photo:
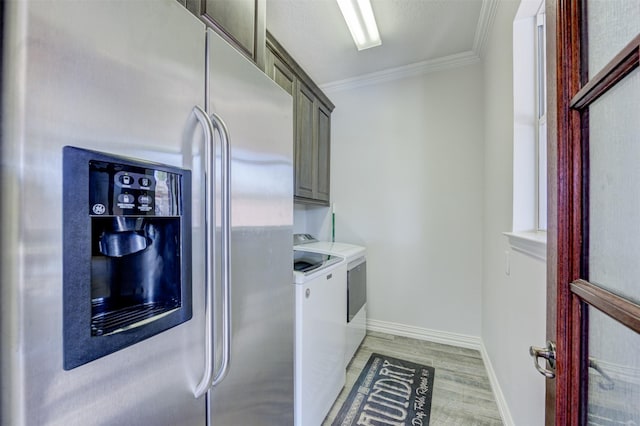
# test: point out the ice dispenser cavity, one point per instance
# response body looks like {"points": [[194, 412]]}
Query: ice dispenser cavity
{"points": [[127, 252]]}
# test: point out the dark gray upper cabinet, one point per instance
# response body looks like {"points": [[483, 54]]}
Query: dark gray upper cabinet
{"points": [[304, 147], [280, 72], [241, 22], [323, 133], [312, 125]]}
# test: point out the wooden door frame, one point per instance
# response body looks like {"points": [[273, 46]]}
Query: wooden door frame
{"points": [[565, 178], [552, 195], [571, 92], [564, 205]]}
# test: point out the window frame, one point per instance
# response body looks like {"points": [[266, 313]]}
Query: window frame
{"points": [[541, 118]]}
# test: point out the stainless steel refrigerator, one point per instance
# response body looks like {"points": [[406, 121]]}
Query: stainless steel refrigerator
{"points": [[143, 81]]}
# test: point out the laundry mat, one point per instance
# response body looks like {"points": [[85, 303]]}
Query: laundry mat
{"points": [[389, 391]]}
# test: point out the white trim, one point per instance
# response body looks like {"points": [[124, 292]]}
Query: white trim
{"points": [[501, 401], [532, 244], [412, 70], [485, 21], [454, 339]]}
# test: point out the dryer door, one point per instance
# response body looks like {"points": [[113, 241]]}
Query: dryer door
{"points": [[356, 289]]}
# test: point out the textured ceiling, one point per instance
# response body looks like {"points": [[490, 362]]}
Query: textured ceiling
{"points": [[412, 31]]}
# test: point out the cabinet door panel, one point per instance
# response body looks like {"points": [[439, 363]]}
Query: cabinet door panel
{"points": [[280, 72], [304, 148], [236, 18], [283, 76], [324, 152]]}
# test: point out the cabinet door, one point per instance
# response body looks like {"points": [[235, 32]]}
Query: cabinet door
{"points": [[237, 19], [305, 160], [241, 22], [323, 134], [312, 125], [280, 72]]}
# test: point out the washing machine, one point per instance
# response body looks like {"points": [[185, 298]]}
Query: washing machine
{"points": [[356, 314], [320, 281]]}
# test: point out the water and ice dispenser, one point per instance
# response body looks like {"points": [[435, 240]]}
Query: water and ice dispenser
{"points": [[127, 252]]}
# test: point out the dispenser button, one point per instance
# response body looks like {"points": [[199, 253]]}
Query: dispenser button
{"points": [[144, 199], [145, 181], [126, 179], [126, 198]]}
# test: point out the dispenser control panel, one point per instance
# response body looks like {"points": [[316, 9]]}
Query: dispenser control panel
{"points": [[126, 252], [118, 189]]}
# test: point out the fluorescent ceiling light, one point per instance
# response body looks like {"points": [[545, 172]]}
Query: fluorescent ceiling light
{"points": [[359, 17]]}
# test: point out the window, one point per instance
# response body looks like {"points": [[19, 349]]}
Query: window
{"points": [[528, 233], [541, 136]]}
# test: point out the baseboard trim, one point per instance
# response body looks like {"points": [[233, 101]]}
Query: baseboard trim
{"points": [[462, 340], [454, 339], [503, 408]]}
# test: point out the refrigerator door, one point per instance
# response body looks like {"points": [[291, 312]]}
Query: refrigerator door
{"points": [[120, 77], [258, 389]]}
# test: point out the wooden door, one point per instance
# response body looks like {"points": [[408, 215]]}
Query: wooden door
{"points": [[594, 212]]}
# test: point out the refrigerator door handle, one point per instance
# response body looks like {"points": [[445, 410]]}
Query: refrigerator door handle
{"points": [[210, 224], [225, 218]]}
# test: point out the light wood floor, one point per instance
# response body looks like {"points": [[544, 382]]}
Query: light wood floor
{"points": [[462, 393]]}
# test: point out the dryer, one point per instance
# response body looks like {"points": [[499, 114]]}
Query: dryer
{"points": [[356, 313]]}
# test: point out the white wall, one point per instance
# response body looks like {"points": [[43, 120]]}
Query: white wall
{"points": [[513, 306], [314, 220], [406, 179]]}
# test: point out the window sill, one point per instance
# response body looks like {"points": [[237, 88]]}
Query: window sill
{"points": [[531, 243]]}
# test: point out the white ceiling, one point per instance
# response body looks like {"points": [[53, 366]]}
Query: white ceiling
{"points": [[412, 32]]}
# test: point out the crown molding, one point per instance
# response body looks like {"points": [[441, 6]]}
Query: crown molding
{"points": [[485, 22], [411, 70]]}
